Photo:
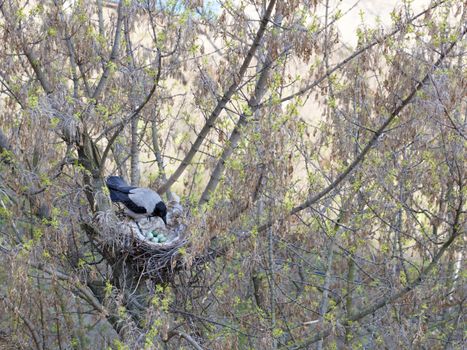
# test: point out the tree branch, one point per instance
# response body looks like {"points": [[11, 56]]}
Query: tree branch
{"points": [[113, 54], [27, 322], [186, 336], [354, 55], [361, 156], [34, 62], [120, 125], [393, 297], [253, 103], [222, 103], [71, 50]]}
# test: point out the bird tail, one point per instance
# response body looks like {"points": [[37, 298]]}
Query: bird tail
{"points": [[114, 183]]}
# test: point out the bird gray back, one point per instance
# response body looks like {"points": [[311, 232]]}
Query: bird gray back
{"points": [[145, 197]]}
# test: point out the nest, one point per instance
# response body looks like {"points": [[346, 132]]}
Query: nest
{"points": [[129, 240]]}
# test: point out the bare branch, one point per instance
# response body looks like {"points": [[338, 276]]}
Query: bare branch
{"points": [[113, 55], [34, 62], [26, 320], [361, 156], [354, 55], [186, 336], [120, 125], [71, 51], [393, 297], [222, 103], [253, 103]]}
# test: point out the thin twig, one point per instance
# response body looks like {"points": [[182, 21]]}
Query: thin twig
{"points": [[357, 53], [26, 320], [456, 232], [400, 107], [222, 103], [186, 336], [113, 54]]}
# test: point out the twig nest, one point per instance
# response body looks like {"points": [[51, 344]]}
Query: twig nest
{"points": [[174, 211], [152, 247]]}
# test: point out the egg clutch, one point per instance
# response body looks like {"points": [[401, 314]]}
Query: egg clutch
{"points": [[155, 237]]}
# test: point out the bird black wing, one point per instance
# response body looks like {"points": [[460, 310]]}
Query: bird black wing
{"points": [[118, 188], [134, 208], [139, 200], [121, 194]]}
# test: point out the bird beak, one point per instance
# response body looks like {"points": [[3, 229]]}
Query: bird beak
{"points": [[165, 220]]}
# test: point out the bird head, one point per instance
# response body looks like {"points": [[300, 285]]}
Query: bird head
{"points": [[161, 211]]}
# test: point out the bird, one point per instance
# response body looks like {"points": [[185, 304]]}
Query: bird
{"points": [[140, 202]]}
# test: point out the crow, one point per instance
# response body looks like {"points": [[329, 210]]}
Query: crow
{"points": [[140, 202]]}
